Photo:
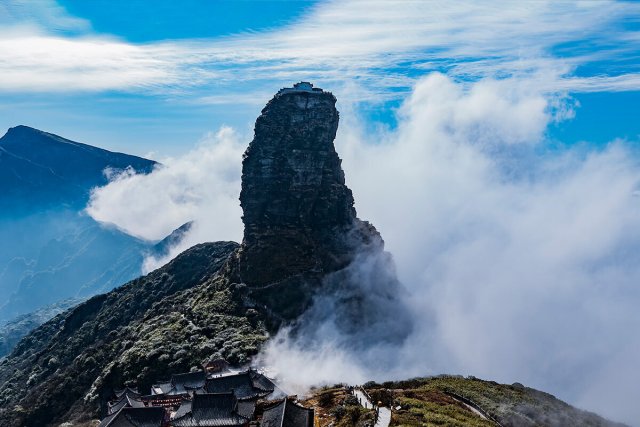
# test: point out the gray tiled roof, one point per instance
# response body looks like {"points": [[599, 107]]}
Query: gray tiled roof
{"points": [[189, 381], [135, 417], [287, 414], [161, 388], [129, 391], [210, 410], [247, 385], [181, 383], [246, 408], [125, 401]]}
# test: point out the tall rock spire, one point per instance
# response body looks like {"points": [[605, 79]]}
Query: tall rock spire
{"points": [[302, 238], [298, 212]]}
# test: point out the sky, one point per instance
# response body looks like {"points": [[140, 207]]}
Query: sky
{"points": [[154, 80], [493, 144]]}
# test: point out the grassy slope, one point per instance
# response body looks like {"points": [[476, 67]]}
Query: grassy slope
{"points": [[429, 402], [426, 402], [335, 407]]}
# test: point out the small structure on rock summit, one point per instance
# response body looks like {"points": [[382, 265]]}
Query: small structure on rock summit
{"points": [[300, 87]]}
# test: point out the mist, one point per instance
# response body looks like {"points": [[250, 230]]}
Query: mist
{"points": [[202, 186], [520, 256]]}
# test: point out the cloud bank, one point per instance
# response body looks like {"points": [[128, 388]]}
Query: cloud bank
{"points": [[203, 185], [521, 259], [521, 264]]}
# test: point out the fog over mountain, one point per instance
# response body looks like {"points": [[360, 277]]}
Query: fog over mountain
{"points": [[520, 264], [310, 291]]}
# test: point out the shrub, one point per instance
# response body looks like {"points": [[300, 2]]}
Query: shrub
{"points": [[351, 400], [325, 399], [338, 412]]}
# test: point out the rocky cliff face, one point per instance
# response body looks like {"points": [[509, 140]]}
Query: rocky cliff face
{"points": [[299, 216]]}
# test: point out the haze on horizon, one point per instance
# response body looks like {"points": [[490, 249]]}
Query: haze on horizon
{"points": [[495, 146]]}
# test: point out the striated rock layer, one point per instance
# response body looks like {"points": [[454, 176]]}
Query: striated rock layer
{"points": [[300, 222]]}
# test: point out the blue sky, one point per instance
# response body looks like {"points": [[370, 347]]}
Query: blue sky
{"points": [[156, 79], [188, 19]]}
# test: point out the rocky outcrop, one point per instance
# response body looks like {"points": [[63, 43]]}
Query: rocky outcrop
{"points": [[299, 216]]}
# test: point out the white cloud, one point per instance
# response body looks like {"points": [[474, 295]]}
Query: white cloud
{"points": [[203, 185], [48, 63], [378, 45], [40, 13]]}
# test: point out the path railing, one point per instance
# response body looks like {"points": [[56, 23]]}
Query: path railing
{"points": [[474, 405]]}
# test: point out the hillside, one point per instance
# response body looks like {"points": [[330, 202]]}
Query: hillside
{"points": [[164, 322], [452, 401], [51, 250], [12, 332], [87, 259]]}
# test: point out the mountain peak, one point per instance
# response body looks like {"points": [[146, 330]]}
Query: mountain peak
{"points": [[294, 197], [302, 87], [40, 169], [299, 216], [20, 134], [23, 128]]}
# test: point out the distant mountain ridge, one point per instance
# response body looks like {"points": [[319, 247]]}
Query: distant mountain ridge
{"points": [[50, 250], [87, 259], [40, 169], [13, 331]]}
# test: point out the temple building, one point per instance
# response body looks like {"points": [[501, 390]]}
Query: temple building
{"points": [[248, 385], [203, 399], [125, 402], [125, 398], [136, 417], [213, 410], [287, 414], [170, 402], [215, 366], [181, 384], [300, 87]]}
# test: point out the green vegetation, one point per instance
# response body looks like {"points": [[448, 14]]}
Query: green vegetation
{"points": [[167, 322], [433, 408], [335, 406], [13, 331], [436, 401]]}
